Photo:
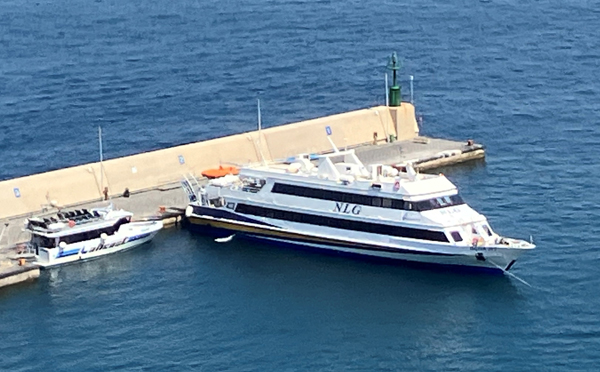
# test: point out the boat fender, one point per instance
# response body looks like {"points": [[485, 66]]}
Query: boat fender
{"points": [[479, 256]]}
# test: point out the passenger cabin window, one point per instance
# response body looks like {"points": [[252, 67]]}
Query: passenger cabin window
{"points": [[374, 201], [94, 234], [42, 241], [252, 185], [456, 236], [487, 230], [346, 224]]}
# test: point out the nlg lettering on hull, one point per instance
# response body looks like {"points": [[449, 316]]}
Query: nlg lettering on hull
{"points": [[347, 208]]}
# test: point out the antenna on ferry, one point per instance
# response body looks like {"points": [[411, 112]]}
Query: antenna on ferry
{"points": [[101, 158], [259, 118], [328, 131], [410, 170]]}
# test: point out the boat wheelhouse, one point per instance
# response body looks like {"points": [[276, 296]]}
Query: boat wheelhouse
{"points": [[83, 234], [341, 205]]}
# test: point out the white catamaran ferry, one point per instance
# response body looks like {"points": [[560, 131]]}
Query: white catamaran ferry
{"points": [[81, 235], [341, 205]]}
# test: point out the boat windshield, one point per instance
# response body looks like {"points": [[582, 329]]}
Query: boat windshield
{"points": [[94, 234], [253, 185], [42, 241], [436, 203]]}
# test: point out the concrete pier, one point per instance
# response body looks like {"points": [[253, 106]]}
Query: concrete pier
{"points": [[423, 152], [12, 274]]}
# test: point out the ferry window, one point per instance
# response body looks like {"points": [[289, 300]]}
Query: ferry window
{"points": [[44, 242], [376, 228], [338, 196], [91, 235], [122, 221], [487, 230], [376, 202], [399, 204], [420, 206], [441, 202], [456, 199], [107, 230], [75, 238], [456, 236]]}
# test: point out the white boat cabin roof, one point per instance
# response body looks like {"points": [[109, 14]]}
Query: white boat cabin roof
{"points": [[344, 169], [75, 221]]}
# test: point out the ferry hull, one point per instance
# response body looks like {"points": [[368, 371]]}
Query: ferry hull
{"points": [[405, 260], [209, 225]]}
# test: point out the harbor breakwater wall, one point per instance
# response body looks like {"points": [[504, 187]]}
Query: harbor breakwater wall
{"points": [[84, 183]]}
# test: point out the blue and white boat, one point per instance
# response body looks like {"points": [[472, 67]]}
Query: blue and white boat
{"points": [[78, 235], [343, 206]]}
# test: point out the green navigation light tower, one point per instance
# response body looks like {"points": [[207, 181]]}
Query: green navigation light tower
{"points": [[395, 97]]}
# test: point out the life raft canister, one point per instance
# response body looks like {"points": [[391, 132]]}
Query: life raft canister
{"points": [[220, 172]]}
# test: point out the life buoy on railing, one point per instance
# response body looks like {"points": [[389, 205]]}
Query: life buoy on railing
{"points": [[397, 186]]}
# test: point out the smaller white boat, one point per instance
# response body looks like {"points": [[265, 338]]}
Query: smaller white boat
{"points": [[85, 234]]}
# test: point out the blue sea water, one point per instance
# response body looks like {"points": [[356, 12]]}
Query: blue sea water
{"points": [[521, 77]]}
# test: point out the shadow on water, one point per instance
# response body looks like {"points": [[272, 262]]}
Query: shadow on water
{"points": [[14, 290], [321, 297]]}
